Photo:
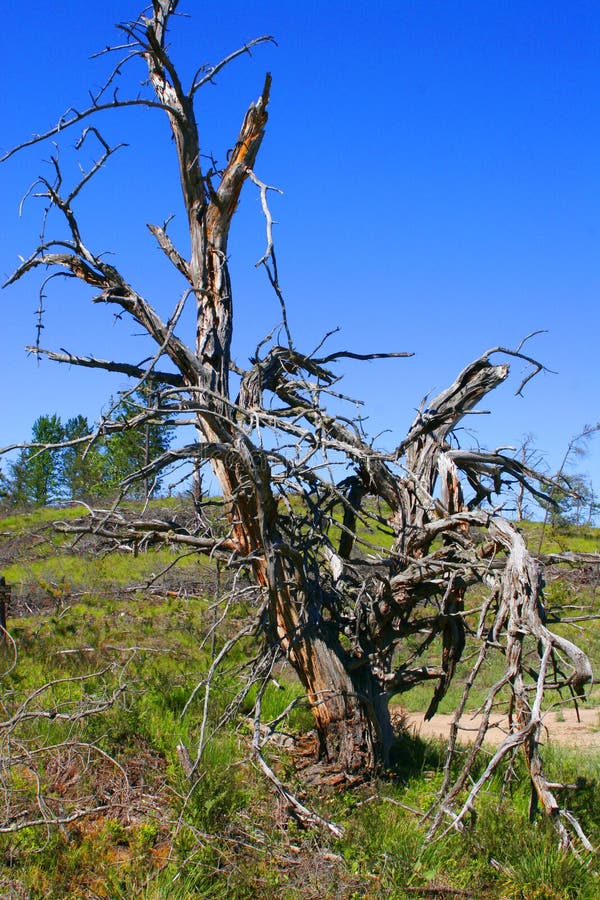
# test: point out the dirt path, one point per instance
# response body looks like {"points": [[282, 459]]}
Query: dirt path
{"points": [[561, 727]]}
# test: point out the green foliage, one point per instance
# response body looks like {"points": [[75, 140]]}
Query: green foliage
{"points": [[85, 468], [83, 465], [137, 444], [35, 475], [573, 501]]}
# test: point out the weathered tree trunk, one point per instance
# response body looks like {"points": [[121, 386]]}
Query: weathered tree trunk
{"points": [[351, 713], [350, 710]]}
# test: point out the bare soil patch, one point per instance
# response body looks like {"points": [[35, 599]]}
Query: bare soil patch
{"points": [[562, 727]]}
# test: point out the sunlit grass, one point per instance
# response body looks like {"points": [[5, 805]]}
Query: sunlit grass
{"points": [[226, 834], [578, 539], [34, 518], [91, 572]]}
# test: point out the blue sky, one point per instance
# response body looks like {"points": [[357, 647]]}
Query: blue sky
{"points": [[440, 164]]}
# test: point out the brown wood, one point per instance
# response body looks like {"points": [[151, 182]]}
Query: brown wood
{"points": [[5, 592]]}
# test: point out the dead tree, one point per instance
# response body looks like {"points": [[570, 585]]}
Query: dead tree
{"points": [[358, 624]]}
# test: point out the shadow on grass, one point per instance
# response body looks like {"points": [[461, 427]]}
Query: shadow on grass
{"points": [[411, 755]]}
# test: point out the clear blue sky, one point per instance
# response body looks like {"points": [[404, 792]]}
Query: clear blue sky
{"points": [[440, 164]]}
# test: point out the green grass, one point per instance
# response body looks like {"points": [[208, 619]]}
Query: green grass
{"points": [[25, 522], [582, 539], [229, 836], [91, 573], [225, 840]]}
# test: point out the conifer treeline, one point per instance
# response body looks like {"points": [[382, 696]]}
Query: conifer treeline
{"points": [[89, 469]]}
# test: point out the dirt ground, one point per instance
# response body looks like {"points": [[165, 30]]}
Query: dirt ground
{"points": [[562, 727]]}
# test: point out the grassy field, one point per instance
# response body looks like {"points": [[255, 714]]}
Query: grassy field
{"points": [[95, 692]]}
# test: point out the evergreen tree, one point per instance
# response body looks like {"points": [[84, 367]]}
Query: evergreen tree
{"points": [[36, 474], [4, 488], [86, 470], [140, 442], [83, 465]]}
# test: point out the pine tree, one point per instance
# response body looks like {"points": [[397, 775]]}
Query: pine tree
{"points": [[35, 477], [83, 465], [143, 438]]}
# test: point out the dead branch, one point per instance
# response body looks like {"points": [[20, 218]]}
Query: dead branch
{"points": [[90, 362], [301, 813], [25, 751]]}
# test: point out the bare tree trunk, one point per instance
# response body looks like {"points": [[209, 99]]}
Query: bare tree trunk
{"points": [[351, 712]]}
